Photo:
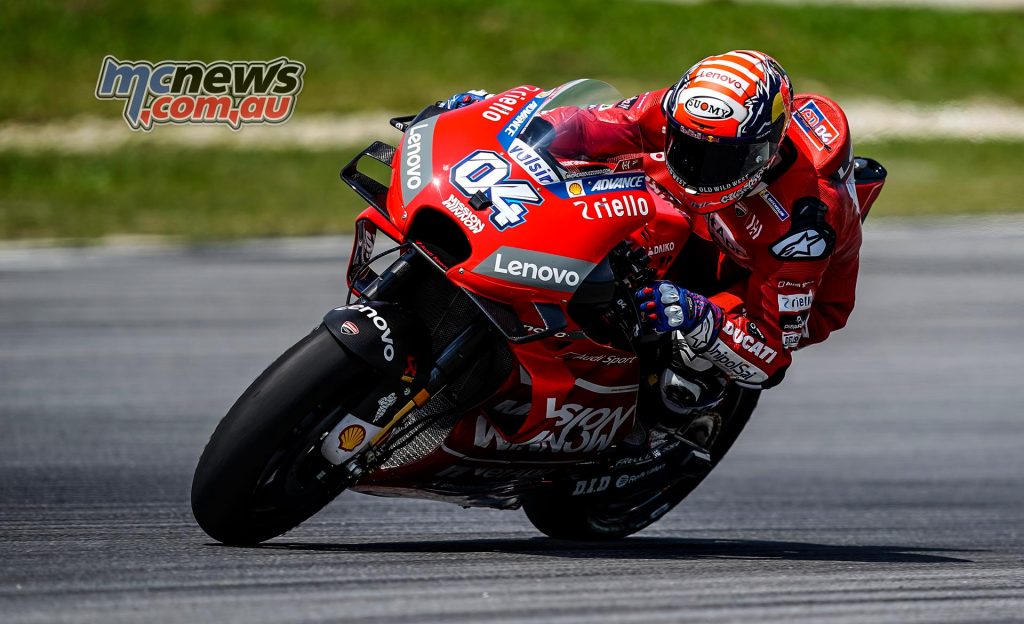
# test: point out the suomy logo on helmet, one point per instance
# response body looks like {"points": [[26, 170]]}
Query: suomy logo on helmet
{"points": [[708, 107]]}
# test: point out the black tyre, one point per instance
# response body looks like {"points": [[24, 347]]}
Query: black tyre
{"points": [[258, 475], [563, 517]]}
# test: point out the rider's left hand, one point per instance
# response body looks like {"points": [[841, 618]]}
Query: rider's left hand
{"points": [[667, 307]]}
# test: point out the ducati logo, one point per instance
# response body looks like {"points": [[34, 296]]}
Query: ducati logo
{"points": [[349, 328]]}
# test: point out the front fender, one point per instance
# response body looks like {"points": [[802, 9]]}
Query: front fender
{"points": [[385, 337]]}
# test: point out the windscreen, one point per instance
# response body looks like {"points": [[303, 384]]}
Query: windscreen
{"points": [[553, 127]]}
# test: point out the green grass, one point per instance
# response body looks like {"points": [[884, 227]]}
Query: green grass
{"points": [[929, 178], [196, 195], [204, 195], [398, 54]]}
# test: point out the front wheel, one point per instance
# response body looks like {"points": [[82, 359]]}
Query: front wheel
{"points": [[262, 473]]}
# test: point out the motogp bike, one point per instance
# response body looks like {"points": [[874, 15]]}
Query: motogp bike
{"points": [[491, 354]]}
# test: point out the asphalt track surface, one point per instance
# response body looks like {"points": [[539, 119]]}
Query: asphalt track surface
{"points": [[884, 481]]}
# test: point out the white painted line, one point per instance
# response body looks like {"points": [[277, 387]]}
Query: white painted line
{"points": [[874, 120], [88, 135]]}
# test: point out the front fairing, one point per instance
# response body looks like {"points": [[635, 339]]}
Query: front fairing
{"points": [[534, 227]]}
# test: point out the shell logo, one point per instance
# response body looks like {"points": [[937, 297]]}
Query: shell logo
{"points": [[575, 189], [351, 437]]}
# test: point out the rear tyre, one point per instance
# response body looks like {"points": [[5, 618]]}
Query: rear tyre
{"points": [[258, 475], [562, 517]]}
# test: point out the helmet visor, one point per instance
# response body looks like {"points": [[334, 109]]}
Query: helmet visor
{"points": [[711, 167]]}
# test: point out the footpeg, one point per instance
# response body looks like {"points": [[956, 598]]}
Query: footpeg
{"points": [[697, 463]]}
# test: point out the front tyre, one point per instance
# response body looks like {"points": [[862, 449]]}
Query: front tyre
{"points": [[262, 473]]}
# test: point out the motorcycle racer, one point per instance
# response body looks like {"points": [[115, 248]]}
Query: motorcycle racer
{"points": [[765, 176]]}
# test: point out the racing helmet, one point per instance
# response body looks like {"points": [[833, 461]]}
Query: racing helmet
{"points": [[725, 121]]}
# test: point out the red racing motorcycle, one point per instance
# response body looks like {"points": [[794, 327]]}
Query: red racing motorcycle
{"points": [[498, 360]]}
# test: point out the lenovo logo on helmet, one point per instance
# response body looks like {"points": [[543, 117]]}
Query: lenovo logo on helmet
{"points": [[734, 82], [707, 107]]}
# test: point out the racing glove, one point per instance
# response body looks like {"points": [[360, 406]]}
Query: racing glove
{"points": [[464, 99], [667, 307]]}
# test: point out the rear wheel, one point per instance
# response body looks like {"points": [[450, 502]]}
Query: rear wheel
{"points": [[564, 517], [262, 473]]}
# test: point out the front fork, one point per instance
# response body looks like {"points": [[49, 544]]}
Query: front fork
{"points": [[397, 345]]}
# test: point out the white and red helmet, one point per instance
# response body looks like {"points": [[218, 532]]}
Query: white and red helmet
{"points": [[726, 118]]}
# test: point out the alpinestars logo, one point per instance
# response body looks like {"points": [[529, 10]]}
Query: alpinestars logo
{"points": [[233, 93], [803, 245]]}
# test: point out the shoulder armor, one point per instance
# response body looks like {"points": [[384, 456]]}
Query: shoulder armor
{"points": [[810, 237], [820, 130]]}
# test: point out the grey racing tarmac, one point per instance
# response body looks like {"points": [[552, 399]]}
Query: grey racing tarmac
{"points": [[883, 481]]}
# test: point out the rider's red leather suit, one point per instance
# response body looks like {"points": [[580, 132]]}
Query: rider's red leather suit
{"points": [[796, 236]]}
